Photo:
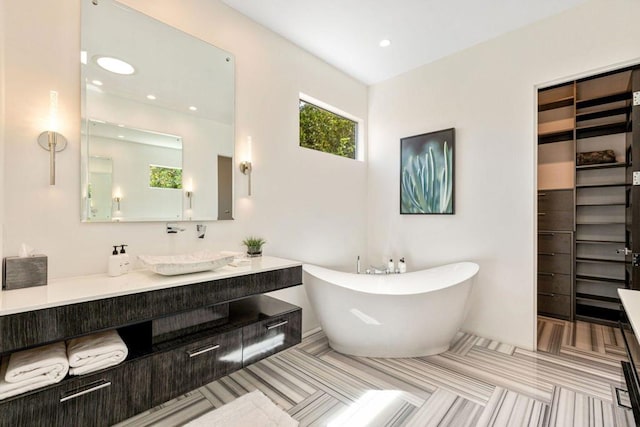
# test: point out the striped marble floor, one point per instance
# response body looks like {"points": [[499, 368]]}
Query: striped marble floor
{"points": [[570, 381]]}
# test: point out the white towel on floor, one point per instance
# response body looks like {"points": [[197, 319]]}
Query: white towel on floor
{"points": [[250, 410], [31, 369], [96, 351]]}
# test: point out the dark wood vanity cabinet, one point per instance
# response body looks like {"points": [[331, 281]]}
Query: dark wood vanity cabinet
{"points": [[169, 352]]}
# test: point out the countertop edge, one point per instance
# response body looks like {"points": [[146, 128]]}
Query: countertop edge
{"points": [[78, 289]]}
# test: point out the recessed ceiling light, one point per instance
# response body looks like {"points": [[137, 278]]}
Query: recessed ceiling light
{"points": [[120, 126], [115, 65], [385, 43], [151, 97], [120, 136], [96, 82], [192, 108]]}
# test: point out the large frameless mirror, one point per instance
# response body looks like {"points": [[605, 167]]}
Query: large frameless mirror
{"points": [[158, 120]]}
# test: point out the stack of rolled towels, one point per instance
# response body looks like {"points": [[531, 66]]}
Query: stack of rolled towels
{"points": [[38, 367]]}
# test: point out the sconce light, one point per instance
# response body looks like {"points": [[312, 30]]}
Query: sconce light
{"points": [[245, 166], [117, 198], [188, 191], [51, 140]]}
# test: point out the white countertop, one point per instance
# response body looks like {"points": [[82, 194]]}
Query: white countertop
{"points": [[631, 302], [78, 289]]}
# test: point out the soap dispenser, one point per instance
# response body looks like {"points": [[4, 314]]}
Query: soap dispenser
{"points": [[402, 266], [113, 268], [390, 268], [124, 260]]}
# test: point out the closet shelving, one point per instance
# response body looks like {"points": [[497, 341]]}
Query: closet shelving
{"points": [[590, 114], [603, 107]]}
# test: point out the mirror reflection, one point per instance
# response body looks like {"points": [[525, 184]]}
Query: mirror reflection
{"points": [[158, 120]]}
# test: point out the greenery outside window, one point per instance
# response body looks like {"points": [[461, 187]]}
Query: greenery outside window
{"points": [[324, 130], [165, 177]]}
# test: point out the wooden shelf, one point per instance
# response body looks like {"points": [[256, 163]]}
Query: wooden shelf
{"points": [[610, 112], [602, 130], [600, 242], [600, 261], [594, 297], [601, 166], [600, 185], [600, 279], [556, 137], [556, 103], [600, 204], [621, 96]]}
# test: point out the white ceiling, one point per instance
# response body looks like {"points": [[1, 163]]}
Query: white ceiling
{"points": [[346, 33]]}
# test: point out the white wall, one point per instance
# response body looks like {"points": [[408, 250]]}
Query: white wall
{"points": [[308, 205], [2, 127], [488, 94]]}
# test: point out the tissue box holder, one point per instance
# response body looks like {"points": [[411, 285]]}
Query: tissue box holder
{"points": [[18, 273]]}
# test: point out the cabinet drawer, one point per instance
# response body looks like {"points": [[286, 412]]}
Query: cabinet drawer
{"points": [[100, 399], [555, 200], [190, 366], [107, 397], [555, 220], [270, 336], [555, 242], [556, 263], [554, 283], [554, 304]]}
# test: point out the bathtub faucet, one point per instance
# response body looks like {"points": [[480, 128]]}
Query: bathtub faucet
{"points": [[358, 265]]}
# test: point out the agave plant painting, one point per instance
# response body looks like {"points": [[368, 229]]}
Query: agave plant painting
{"points": [[426, 173]]}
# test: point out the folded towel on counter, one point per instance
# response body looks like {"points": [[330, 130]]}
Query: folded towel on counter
{"points": [[94, 352], [31, 369]]}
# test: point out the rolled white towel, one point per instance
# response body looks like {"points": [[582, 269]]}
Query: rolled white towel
{"points": [[32, 369], [49, 361], [96, 351]]}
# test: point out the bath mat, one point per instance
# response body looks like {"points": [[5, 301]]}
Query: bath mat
{"points": [[251, 410]]}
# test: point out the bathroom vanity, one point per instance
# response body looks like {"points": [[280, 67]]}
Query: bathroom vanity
{"points": [[182, 332]]}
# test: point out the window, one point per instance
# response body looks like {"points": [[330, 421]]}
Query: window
{"points": [[324, 130], [165, 177]]}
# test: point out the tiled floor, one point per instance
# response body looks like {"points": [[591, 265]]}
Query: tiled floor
{"points": [[570, 381]]}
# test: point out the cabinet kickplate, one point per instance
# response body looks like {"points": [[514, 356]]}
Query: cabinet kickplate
{"points": [[636, 98]]}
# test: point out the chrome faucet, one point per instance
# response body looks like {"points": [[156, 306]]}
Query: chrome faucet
{"points": [[358, 265], [172, 228]]}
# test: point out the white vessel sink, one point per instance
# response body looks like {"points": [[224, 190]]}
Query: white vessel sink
{"points": [[171, 265]]}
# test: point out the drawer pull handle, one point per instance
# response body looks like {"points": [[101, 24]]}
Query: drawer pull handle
{"points": [[194, 353], [284, 322], [547, 253], [542, 213], [542, 194], [542, 273], [97, 385], [546, 294], [546, 233]]}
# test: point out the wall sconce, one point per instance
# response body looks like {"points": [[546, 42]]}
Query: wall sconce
{"points": [[117, 198], [51, 140], [245, 166]]}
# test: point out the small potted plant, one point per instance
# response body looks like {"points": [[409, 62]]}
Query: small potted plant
{"points": [[254, 246]]}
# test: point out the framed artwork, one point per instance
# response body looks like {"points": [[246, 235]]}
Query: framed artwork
{"points": [[427, 173]]}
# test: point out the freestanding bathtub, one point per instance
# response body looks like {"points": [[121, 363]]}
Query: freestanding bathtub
{"points": [[395, 315]]}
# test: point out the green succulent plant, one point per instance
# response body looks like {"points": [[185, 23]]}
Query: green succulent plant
{"points": [[424, 188], [254, 242]]}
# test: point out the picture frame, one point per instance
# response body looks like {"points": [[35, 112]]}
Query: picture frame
{"points": [[427, 173]]}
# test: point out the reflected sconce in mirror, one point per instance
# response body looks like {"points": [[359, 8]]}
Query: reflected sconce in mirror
{"points": [[245, 166], [117, 198], [188, 191], [51, 140]]}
